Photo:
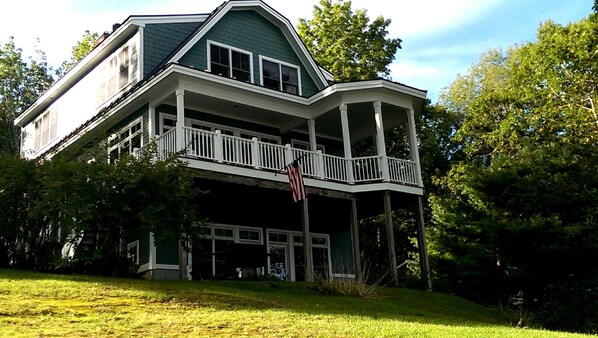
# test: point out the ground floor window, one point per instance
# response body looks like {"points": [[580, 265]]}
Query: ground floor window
{"points": [[239, 252]]}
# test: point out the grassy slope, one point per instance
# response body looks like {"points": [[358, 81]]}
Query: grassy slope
{"points": [[34, 304]]}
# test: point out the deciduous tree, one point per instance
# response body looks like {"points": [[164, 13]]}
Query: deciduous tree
{"points": [[346, 43]]}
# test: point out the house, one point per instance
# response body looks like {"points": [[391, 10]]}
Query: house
{"points": [[237, 91]]}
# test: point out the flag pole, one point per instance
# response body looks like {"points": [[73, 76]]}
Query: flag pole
{"points": [[282, 168], [307, 252]]}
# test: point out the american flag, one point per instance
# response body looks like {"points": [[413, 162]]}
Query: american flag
{"points": [[296, 181]]}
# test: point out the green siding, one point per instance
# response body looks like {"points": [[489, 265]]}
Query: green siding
{"points": [[144, 248], [167, 251], [159, 40], [250, 31], [341, 252]]}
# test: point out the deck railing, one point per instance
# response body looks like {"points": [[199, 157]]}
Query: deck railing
{"points": [[221, 148]]}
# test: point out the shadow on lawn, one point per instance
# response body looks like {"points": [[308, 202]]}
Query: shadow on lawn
{"points": [[400, 304]]}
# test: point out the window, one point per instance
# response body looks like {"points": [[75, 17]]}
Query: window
{"points": [[133, 252], [45, 129], [247, 235], [127, 141], [280, 76], [223, 232], [116, 73], [230, 62], [305, 145]]}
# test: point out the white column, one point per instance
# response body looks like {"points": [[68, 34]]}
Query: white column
{"points": [[180, 119], [413, 145], [380, 143], [152, 121], [346, 141], [311, 126]]}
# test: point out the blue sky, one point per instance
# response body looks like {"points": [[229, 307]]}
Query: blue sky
{"points": [[440, 38]]}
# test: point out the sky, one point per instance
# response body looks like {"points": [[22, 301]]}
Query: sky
{"points": [[440, 38]]}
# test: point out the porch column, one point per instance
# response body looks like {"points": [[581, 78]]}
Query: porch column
{"points": [[180, 119], [346, 140], [413, 146], [311, 126], [392, 257], [423, 248], [380, 143], [307, 252], [355, 240]]}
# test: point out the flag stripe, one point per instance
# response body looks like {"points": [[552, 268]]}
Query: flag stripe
{"points": [[296, 182]]}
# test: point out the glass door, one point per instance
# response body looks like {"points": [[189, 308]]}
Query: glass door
{"points": [[278, 262]]}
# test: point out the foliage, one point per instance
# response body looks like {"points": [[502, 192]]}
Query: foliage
{"points": [[21, 83], [98, 206], [346, 43], [80, 50], [516, 211], [92, 306], [351, 288]]}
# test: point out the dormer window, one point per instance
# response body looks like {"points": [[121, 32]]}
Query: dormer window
{"points": [[280, 76], [230, 62], [45, 129], [117, 72]]}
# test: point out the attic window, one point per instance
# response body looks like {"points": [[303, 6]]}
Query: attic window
{"points": [[45, 129], [280, 76], [230, 62]]}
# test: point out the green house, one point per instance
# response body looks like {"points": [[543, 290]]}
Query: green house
{"points": [[237, 91]]}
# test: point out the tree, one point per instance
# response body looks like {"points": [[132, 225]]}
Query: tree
{"points": [[47, 204], [21, 83], [346, 43], [517, 211], [80, 50]]}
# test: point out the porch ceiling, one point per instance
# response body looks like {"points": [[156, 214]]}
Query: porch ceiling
{"points": [[361, 120], [236, 110]]}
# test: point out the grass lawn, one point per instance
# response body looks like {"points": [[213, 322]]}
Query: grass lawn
{"points": [[47, 305]]}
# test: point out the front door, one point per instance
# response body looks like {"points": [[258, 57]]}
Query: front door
{"points": [[279, 261]]}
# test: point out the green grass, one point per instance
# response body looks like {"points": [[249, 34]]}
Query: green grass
{"points": [[47, 305]]}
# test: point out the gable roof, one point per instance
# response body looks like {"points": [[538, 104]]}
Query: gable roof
{"points": [[269, 13], [100, 51]]}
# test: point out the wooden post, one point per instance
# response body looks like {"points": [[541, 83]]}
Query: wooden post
{"points": [[390, 238], [421, 243], [307, 252], [355, 240], [182, 261]]}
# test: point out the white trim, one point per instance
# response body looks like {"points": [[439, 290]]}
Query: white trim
{"points": [[166, 266], [118, 144], [280, 64], [152, 251], [147, 20], [230, 58], [140, 56], [215, 126], [131, 245], [290, 248], [295, 142]]}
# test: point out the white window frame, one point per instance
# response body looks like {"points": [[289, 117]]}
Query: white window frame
{"points": [[280, 63], [214, 126], [128, 138], [105, 75], [51, 129], [306, 146], [291, 244], [230, 58], [134, 244]]}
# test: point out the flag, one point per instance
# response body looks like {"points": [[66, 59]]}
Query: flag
{"points": [[296, 181]]}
